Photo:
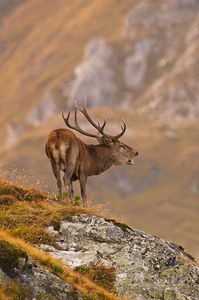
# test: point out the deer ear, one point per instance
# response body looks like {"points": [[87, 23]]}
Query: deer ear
{"points": [[105, 140]]}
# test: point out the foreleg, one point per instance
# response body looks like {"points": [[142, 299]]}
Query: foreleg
{"points": [[82, 182]]}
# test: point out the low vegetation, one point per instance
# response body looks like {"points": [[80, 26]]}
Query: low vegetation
{"points": [[14, 291], [24, 215], [9, 255], [100, 274], [89, 289], [17, 192], [26, 212]]}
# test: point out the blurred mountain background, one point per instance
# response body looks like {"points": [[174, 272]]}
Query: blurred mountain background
{"points": [[136, 59]]}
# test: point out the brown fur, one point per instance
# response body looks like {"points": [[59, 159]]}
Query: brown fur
{"points": [[78, 160]]}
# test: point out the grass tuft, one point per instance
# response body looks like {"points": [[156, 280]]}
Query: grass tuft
{"points": [[56, 269], [25, 213], [33, 235], [7, 199], [21, 193], [99, 273], [10, 255], [78, 281], [77, 200]]}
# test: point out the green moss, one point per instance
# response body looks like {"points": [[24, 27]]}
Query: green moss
{"points": [[94, 296], [191, 257], [89, 296], [121, 225], [179, 274], [57, 269], [169, 294], [45, 262], [10, 254], [77, 200], [100, 274]]}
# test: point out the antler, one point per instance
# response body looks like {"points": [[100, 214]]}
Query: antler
{"points": [[76, 127], [98, 126]]}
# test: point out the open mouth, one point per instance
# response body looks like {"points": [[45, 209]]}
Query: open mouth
{"points": [[131, 162]]}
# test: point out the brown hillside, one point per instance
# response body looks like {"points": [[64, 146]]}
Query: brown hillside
{"points": [[138, 59], [46, 45]]}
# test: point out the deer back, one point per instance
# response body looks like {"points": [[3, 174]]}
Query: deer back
{"points": [[64, 147]]}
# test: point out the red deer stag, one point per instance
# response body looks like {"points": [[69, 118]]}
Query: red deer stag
{"points": [[78, 160]]}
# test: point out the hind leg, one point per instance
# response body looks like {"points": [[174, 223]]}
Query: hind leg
{"points": [[68, 182], [56, 172], [82, 181], [72, 190], [69, 160], [69, 187]]}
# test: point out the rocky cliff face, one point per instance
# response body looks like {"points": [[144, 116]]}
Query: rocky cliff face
{"points": [[27, 280], [38, 283], [154, 63], [172, 29], [146, 266]]}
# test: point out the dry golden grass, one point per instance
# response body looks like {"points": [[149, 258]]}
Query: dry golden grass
{"points": [[14, 291], [170, 196], [3, 295], [24, 214], [81, 283], [21, 193], [100, 274]]}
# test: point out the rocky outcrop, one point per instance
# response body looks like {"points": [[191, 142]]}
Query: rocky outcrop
{"points": [[43, 283], [146, 266], [171, 90], [153, 65], [35, 282]]}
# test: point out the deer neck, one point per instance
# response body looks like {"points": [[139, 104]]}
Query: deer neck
{"points": [[101, 157]]}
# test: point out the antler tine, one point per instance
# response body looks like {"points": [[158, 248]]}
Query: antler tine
{"points": [[101, 126], [66, 120], [123, 129], [76, 127], [85, 113], [76, 123], [97, 125], [104, 124]]}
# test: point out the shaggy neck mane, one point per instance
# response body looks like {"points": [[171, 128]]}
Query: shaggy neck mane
{"points": [[102, 158]]}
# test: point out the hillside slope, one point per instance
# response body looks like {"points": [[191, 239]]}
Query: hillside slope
{"points": [[26, 271], [162, 185], [84, 256], [45, 48], [142, 65]]}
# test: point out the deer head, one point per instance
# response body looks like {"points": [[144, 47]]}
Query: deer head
{"points": [[122, 153]]}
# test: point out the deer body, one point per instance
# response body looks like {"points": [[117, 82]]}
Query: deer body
{"points": [[78, 161]]}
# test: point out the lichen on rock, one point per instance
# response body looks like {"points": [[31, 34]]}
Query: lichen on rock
{"points": [[21, 276], [146, 266]]}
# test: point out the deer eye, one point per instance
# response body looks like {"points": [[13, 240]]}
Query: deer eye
{"points": [[121, 146]]}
